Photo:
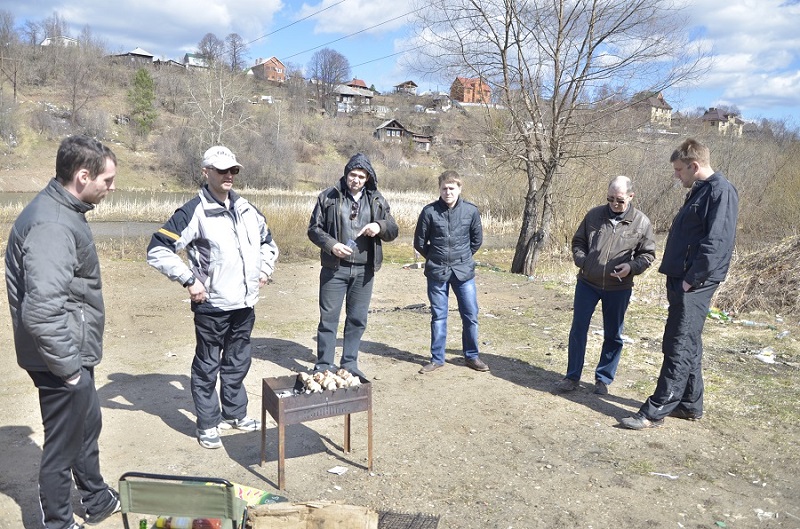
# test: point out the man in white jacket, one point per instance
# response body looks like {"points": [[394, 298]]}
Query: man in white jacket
{"points": [[231, 255]]}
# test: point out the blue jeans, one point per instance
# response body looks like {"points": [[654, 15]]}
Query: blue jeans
{"points": [[615, 303], [467, 298], [354, 283]]}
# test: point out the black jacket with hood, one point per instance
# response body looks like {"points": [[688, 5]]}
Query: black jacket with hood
{"points": [[325, 226]]}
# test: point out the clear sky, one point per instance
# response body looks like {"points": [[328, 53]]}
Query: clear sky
{"points": [[755, 43]]}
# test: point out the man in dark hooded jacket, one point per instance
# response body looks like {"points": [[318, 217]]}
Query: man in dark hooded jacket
{"points": [[349, 222]]}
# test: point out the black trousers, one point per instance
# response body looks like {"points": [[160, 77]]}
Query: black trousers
{"points": [[223, 349], [72, 422], [680, 383]]}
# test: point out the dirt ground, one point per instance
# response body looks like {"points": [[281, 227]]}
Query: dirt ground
{"points": [[479, 450]]}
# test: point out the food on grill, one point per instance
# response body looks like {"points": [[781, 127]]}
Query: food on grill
{"points": [[327, 380]]}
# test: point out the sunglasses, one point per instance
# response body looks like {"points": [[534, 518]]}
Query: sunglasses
{"points": [[233, 170], [354, 210], [612, 200]]}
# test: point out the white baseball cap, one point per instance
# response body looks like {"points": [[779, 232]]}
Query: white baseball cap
{"points": [[220, 157]]}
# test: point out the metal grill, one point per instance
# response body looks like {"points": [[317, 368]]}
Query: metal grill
{"points": [[399, 520]]}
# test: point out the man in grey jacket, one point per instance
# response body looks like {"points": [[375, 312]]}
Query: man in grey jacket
{"points": [[696, 258], [612, 244], [58, 316], [447, 235], [231, 256]]}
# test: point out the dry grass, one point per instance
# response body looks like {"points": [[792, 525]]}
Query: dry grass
{"points": [[767, 280]]}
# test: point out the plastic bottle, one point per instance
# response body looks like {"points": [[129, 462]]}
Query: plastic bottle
{"points": [[174, 523]]}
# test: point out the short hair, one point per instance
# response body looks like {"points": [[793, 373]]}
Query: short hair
{"points": [[81, 152], [450, 177], [622, 183], [690, 151]]}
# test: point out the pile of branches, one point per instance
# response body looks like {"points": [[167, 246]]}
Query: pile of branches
{"points": [[767, 280]]}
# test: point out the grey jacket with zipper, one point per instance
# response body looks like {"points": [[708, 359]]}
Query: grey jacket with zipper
{"points": [[53, 283], [325, 226], [598, 246]]}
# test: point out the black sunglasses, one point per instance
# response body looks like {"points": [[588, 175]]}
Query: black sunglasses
{"points": [[617, 200], [354, 210], [233, 170]]}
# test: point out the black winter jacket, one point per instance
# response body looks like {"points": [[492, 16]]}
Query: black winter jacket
{"points": [[53, 283], [702, 236], [325, 226], [448, 238]]}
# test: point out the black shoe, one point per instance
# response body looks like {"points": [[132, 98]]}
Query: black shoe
{"points": [[476, 363], [640, 422], [112, 507], [566, 385], [680, 413], [600, 388]]}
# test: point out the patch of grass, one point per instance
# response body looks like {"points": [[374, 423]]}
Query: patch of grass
{"points": [[641, 466]]}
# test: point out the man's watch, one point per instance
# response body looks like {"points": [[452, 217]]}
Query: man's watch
{"points": [[189, 282]]}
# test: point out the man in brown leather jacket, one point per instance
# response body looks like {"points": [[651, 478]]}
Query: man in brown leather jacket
{"points": [[612, 244]]}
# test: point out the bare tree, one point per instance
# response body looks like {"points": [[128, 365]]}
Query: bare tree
{"points": [[212, 49], [326, 69], [218, 104], [54, 26], [32, 32], [8, 35], [236, 52], [546, 61]]}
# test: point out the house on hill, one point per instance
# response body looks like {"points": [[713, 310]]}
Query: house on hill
{"points": [[406, 87], [349, 99], [136, 57], [60, 40], [469, 90], [656, 108], [271, 69], [393, 131], [194, 60], [357, 83], [723, 122]]}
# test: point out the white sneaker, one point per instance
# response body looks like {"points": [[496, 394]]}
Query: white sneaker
{"points": [[209, 438], [245, 424]]}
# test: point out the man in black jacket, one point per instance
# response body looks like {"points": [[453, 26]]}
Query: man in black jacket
{"points": [[448, 234], [696, 259], [349, 222], [58, 316]]}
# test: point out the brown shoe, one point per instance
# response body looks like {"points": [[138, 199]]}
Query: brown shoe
{"points": [[476, 363], [429, 367]]}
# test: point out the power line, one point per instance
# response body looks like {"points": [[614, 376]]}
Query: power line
{"points": [[295, 22], [355, 33], [386, 56]]}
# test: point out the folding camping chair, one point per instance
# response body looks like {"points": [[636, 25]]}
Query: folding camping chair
{"points": [[184, 496]]}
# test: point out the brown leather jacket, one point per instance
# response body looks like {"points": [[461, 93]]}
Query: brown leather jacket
{"points": [[598, 246]]}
